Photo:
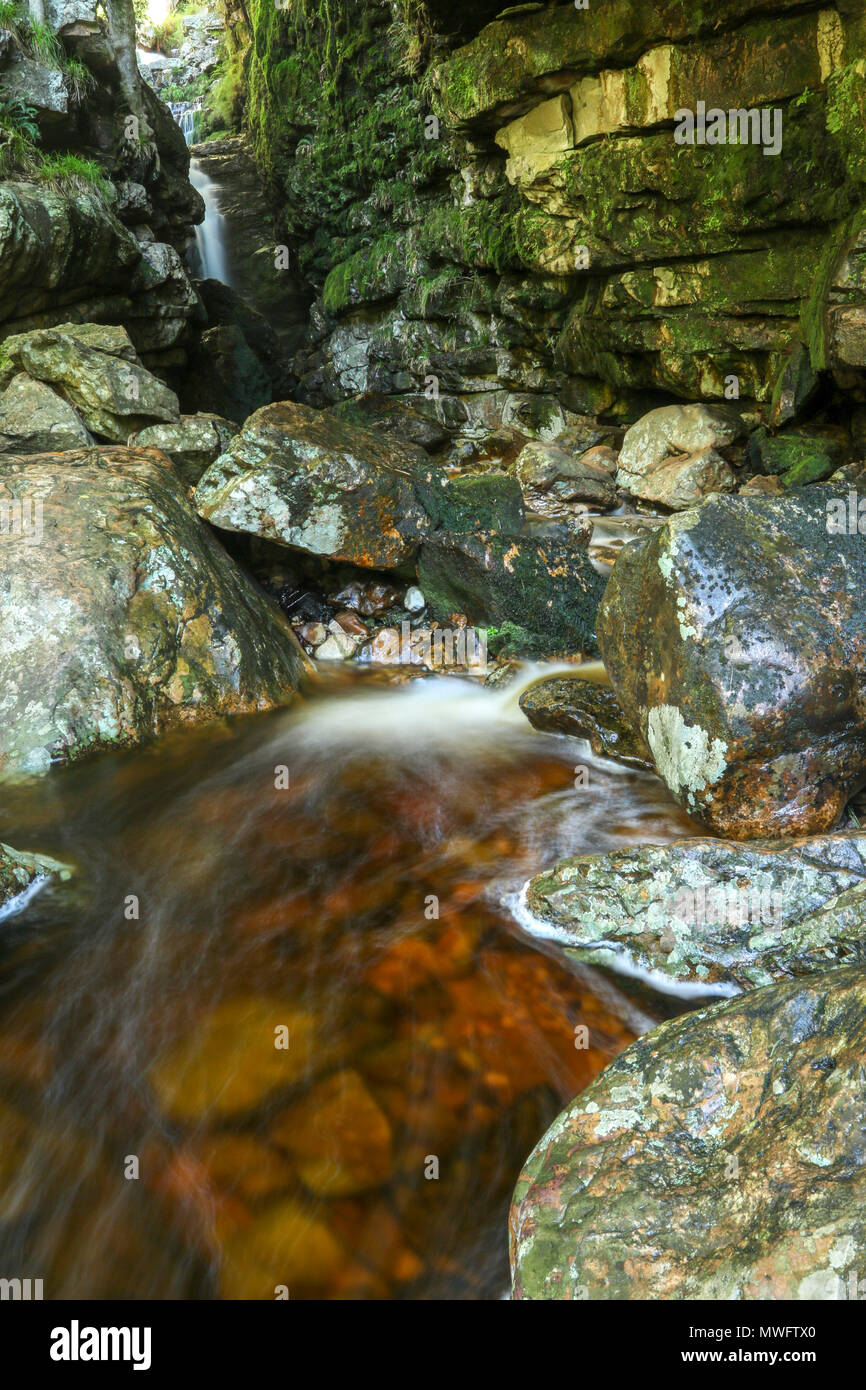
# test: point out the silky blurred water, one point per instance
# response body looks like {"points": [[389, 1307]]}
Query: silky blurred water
{"points": [[156, 1141]]}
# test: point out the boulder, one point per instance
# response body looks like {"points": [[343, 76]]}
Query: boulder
{"points": [[674, 429], [682, 480], [539, 594], [719, 1157], [95, 368], [584, 709], [310, 481], [394, 417], [713, 916], [34, 420], [192, 443], [121, 615], [552, 477], [748, 684]]}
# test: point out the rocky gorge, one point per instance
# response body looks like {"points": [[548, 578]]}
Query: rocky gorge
{"points": [[432, 501]]}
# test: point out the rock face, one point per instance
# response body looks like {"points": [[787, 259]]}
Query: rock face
{"points": [[96, 370], [120, 614], [587, 710], [748, 685], [552, 248], [744, 1117], [310, 481], [711, 915]]}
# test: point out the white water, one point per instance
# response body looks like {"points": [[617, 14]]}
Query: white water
{"points": [[210, 234]]}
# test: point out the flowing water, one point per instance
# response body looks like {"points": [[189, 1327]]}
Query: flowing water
{"points": [[280, 1032], [210, 246]]}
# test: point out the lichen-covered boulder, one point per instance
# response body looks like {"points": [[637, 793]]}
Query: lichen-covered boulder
{"points": [[719, 1157], [585, 709], [192, 443], [539, 594], [709, 915], [120, 614], [35, 420], [309, 480], [749, 682], [96, 369]]}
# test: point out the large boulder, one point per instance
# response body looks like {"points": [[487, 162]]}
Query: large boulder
{"points": [[719, 1157], [35, 420], [310, 481], [670, 431], [97, 371], [120, 614], [709, 916], [749, 682]]}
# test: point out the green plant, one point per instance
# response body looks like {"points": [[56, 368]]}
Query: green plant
{"points": [[14, 18], [80, 81], [70, 173], [44, 44], [16, 115]]}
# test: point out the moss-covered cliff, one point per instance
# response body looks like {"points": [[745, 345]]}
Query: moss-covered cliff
{"points": [[502, 206]]}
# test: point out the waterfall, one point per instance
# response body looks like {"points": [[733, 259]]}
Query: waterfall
{"points": [[209, 260], [210, 250]]}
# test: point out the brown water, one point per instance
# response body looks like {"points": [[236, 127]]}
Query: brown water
{"points": [[360, 916]]}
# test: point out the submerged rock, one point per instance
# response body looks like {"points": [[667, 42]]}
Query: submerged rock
{"points": [[749, 683], [585, 709], [710, 914], [19, 871], [721, 1156], [121, 615], [95, 368], [310, 481]]}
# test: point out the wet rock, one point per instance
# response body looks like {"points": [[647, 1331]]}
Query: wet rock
{"points": [[192, 443], [799, 457], [310, 481], [413, 600], [552, 477], [585, 709], [674, 429], [314, 634], [338, 1136], [711, 914], [478, 502], [367, 599], [748, 685], [393, 416], [338, 645], [683, 480], [96, 370], [18, 872], [121, 615], [35, 420], [229, 1061], [282, 1247], [744, 1117], [544, 592]]}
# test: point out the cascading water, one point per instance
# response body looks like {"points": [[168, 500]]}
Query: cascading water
{"points": [[281, 1028], [210, 257]]}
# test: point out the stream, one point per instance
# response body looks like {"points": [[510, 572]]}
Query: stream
{"points": [[279, 1035]]}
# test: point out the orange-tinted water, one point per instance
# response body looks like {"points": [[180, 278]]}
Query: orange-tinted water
{"points": [[315, 1060]]}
